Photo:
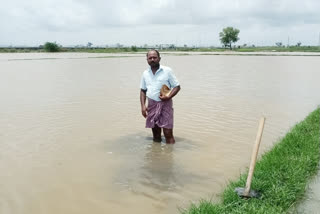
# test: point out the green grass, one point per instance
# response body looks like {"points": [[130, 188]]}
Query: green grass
{"points": [[105, 50], [20, 50], [280, 49], [134, 49], [281, 175]]}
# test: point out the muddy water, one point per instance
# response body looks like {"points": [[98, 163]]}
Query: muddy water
{"points": [[73, 141], [310, 203]]}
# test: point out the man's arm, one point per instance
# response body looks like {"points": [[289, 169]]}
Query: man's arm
{"points": [[143, 102], [173, 93]]}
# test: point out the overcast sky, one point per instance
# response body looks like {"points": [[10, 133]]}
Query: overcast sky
{"points": [[139, 22]]}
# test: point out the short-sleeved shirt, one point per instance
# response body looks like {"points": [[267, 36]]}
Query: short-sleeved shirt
{"points": [[153, 82]]}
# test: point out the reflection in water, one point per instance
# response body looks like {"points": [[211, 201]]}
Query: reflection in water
{"points": [[158, 169], [151, 165], [151, 170]]}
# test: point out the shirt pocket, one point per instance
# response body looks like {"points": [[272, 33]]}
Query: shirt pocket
{"points": [[163, 81]]}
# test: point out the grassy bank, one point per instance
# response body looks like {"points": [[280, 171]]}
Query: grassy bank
{"points": [[281, 175]]}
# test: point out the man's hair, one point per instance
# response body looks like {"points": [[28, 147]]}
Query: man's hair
{"points": [[155, 51]]}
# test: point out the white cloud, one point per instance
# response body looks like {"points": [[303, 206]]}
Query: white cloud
{"points": [[157, 21]]}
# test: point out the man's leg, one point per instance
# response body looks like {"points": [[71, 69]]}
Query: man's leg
{"points": [[156, 131], [168, 133]]}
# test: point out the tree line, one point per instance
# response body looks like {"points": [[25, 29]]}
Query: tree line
{"points": [[228, 36]]}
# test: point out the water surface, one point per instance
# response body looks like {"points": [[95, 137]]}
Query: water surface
{"points": [[73, 138]]}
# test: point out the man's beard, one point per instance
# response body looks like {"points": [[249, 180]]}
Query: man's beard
{"points": [[154, 64]]}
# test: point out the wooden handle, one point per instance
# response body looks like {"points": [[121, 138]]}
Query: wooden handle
{"points": [[254, 156]]}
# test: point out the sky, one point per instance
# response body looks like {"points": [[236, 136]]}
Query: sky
{"points": [[151, 22]]}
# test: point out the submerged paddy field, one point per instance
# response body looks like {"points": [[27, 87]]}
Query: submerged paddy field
{"points": [[73, 138]]}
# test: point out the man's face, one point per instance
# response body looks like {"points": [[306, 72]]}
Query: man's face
{"points": [[153, 59]]}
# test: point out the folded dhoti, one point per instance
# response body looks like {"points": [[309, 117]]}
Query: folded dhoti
{"points": [[160, 113]]}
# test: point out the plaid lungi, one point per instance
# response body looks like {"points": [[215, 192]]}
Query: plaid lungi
{"points": [[160, 113]]}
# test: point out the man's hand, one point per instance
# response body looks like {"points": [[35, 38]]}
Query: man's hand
{"points": [[173, 93], [143, 102], [164, 98], [144, 111]]}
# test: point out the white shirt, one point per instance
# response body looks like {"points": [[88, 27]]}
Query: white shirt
{"points": [[153, 82]]}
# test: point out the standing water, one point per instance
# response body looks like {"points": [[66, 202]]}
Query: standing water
{"points": [[73, 139]]}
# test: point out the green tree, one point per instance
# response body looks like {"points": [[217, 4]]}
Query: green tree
{"points": [[51, 47], [89, 44], [134, 48], [228, 36]]}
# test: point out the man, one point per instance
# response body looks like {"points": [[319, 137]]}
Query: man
{"points": [[159, 113]]}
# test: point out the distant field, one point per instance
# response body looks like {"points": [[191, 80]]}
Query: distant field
{"points": [[136, 49]]}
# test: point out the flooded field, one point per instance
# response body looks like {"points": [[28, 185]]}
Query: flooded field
{"points": [[73, 139]]}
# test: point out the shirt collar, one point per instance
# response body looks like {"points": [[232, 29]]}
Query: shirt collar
{"points": [[160, 69]]}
